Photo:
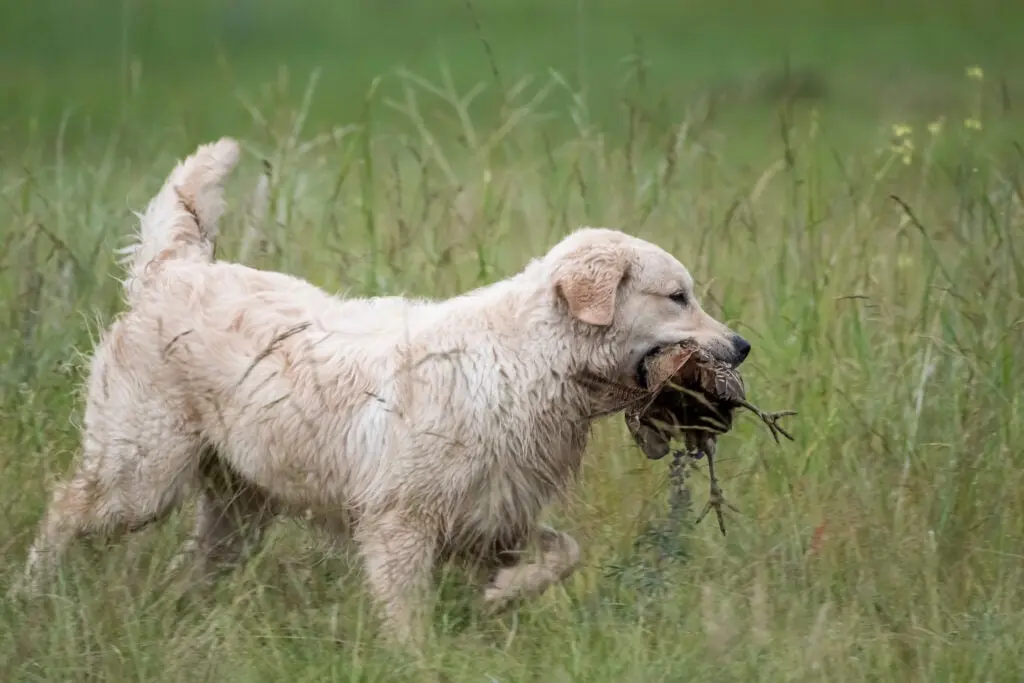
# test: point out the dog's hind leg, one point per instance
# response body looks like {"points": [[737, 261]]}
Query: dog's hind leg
{"points": [[232, 517], [559, 557], [118, 487]]}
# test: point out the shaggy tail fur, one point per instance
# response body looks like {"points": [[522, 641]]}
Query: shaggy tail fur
{"points": [[180, 222]]}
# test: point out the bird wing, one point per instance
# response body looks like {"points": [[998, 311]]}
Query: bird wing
{"points": [[669, 365]]}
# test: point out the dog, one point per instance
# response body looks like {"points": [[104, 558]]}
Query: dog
{"points": [[422, 430]]}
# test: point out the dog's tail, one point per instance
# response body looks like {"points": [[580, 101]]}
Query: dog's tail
{"points": [[180, 222]]}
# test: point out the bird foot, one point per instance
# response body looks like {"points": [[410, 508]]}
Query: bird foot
{"points": [[771, 420], [716, 500]]}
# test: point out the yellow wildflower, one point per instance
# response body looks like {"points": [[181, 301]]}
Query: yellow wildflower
{"points": [[975, 73], [972, 123], [900, 130]]}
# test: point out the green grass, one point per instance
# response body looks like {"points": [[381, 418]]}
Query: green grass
{"points": [[884, 544]]}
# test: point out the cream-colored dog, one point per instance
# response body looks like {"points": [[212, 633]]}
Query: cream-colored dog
{"points": [[425, 430]]}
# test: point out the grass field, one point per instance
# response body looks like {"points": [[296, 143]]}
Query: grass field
{"points": [[867, 237]]}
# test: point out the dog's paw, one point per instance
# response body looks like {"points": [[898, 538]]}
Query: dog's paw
{"points": [[508, 587], [500, 594]]}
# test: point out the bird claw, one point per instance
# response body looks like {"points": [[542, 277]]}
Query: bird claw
{"points": [[771, 420], [716, 500]]}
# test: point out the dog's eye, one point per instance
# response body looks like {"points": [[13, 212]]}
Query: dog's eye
{"points": [[681, 298]]}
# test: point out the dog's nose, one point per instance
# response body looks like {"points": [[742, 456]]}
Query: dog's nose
{"points": [[741, 347]]}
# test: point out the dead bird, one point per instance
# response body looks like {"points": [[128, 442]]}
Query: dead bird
{"points": [[693, 397]]}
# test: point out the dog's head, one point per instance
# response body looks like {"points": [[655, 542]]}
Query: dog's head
{"points": [[636, 298]]}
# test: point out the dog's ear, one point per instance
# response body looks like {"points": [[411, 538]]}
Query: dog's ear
{"points": [[588, 279]]}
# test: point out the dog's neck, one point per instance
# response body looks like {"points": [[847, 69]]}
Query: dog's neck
{"points": [[559, 353]]}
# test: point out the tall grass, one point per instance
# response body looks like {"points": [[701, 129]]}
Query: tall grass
{"points": [[883, 300]]}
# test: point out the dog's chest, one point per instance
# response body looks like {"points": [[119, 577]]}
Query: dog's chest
{"points": [[517, 477], [535, 429], [505, 432]]}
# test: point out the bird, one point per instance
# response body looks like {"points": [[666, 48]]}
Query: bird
{"points": [[693, 395]]}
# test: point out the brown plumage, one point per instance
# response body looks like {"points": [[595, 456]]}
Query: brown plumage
{"points": [[695, 396], [687, 393]]}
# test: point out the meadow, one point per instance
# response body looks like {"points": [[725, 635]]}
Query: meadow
{"points": [[845, 183]]}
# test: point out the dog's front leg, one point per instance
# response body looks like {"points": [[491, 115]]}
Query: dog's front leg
{"points": [[559, 557], [399, 557]]}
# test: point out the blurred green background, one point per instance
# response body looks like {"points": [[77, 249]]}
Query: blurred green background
{"points": [[189, 68]]}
